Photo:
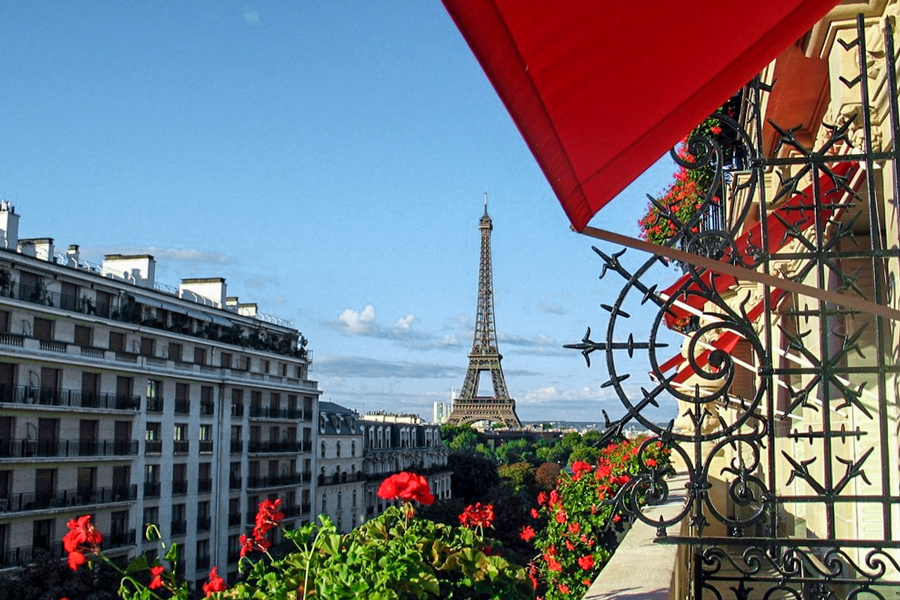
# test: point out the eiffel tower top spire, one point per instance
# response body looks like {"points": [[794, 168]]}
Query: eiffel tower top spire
{"points": [[485, 354]]}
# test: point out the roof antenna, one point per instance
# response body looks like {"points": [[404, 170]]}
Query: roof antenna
{"points": [[485, 204]]}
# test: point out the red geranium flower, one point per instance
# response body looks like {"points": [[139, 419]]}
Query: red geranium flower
{"points": [[267, 517], [527, 533], [156, 577], [477, 515], [406, 486], [579, 467], [215, 584], [586, 562], [82, 538]]}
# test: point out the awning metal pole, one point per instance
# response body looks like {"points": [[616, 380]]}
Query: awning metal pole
{"points": [[789, 285]]}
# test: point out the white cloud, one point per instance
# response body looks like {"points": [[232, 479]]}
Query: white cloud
{"points": [[358, 323], [251, 17]]}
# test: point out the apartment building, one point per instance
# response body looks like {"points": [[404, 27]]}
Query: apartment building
{"points": [[395, 443], [341, 482], [139, 403]]}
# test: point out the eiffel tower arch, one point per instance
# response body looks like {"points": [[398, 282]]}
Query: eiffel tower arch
{"points": [[485, 356]]}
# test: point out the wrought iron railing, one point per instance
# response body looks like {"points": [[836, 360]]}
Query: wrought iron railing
{"points": [[781, 407]]}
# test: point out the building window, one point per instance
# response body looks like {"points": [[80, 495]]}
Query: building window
{"points": [[200, 356], [323, 449], [175, 352], [148, 346], [338, 448], [117, 341], [151, 515], [352, 449], [84, 336]]}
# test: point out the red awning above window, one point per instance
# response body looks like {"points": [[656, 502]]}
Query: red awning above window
{"points": [[600, 90]]}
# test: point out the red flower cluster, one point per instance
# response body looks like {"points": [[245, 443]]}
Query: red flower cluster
{"points": [[215, 583], [579, 468], [406, 486], [82, 538], [477, 515], [527, 533], [267, 517], [156, 577]]}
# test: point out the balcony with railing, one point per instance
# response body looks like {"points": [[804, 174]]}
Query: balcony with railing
{"points": [[131, 311], [182, 406], [207, 408], [179, 527], [182, 446], [274, 446], [66, 448], [152, 446], [155, 405], [204, 523], [204, 485], [269, 412], [206, 446], [152, 489], [179, 486], [237, 446], [119, 539], [31, 395], [341, 478], [20, 557], [235, 482], [67, 498], [275, 480]]}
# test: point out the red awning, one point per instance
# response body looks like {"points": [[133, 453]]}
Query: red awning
{"points": [[601, 90]]}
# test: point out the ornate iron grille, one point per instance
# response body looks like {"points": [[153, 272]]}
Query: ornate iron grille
{"points": [[788, 418]]}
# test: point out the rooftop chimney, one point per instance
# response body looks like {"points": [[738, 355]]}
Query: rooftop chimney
{"points": [[9, 226], [139, 269], [211, 289]]}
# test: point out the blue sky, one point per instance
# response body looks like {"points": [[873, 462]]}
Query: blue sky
{"points": [[329, 160]]}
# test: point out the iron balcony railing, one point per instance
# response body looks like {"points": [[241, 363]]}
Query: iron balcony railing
{"points": [[341, 478], [27, 394], [234, 519], [66, 448], [155, 405], [20, 557], [182, 406], [179, 486], [269, 412], [68, 498], [235, 482], [129, 311], [152, 446], [204, 485], [179, 527], [119, 539], [182, 446], [152, 489], [237, 446], [259, 446], [275, 480]]}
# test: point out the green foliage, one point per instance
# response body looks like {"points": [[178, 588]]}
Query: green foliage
{"points": [[518, 476], [515, 451], [473, 476], [464, 441]]}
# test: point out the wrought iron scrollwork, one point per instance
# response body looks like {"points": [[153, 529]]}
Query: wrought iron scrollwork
{"points": [[788, 420]]}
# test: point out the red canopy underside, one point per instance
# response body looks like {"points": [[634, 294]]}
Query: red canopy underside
{"points": [[601, 90]]}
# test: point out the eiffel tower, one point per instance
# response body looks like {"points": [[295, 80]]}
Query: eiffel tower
{"points": [[470, 408]]}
